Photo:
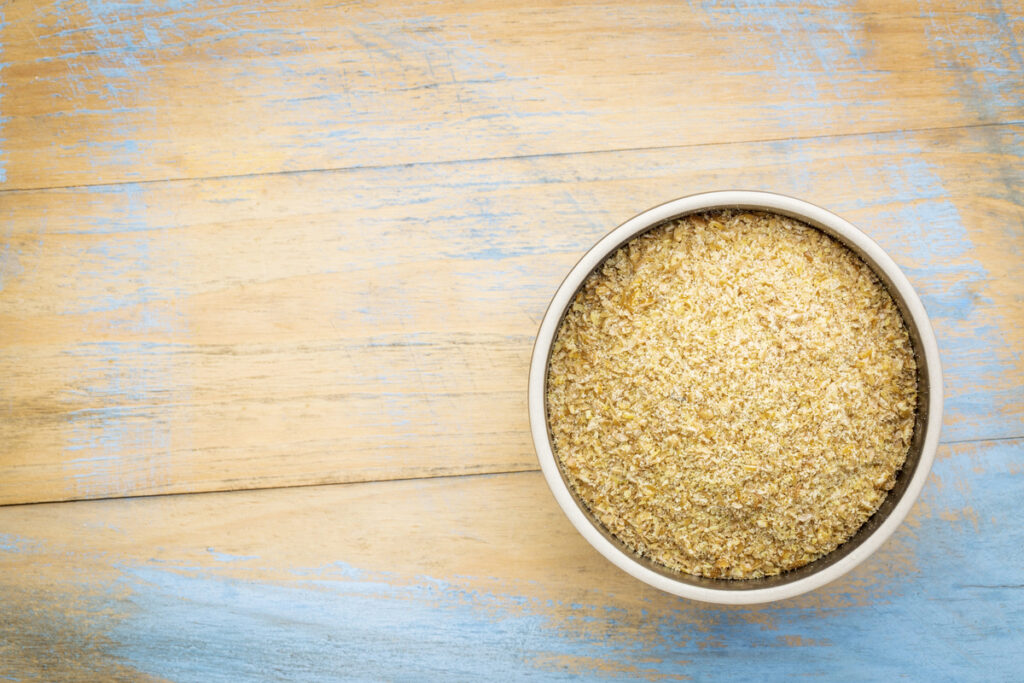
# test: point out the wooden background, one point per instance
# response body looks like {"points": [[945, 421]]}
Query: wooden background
{"points": [[285, 261]]}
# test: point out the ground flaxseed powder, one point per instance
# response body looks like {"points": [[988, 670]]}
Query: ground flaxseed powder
{"points": [[732, 394]]}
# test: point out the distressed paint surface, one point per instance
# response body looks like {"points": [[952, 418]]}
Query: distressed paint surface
{"points": [[289, 244], [435, 578], [107, 91], [359, 325]]}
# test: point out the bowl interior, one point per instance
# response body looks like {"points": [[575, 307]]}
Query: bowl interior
{"points": [[903, 479]]}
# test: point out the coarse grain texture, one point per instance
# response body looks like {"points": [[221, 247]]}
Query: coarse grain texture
{"points": [[732, 394]]}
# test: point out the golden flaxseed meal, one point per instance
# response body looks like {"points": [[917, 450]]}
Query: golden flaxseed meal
{"points": [[732, 394]]}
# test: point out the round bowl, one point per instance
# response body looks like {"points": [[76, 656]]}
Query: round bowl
{"points": [[897, 503]]}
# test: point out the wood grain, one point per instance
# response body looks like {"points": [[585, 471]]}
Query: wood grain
{"points": [[282, 244], [467, 576], [103, 91], [375, 324]]}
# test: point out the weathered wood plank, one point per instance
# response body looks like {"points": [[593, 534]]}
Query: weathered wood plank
{"points": [[104, 91], [469, 577], [374, 324]]}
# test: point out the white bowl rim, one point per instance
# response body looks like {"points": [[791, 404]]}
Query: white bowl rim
{"points": [[768, 201]]}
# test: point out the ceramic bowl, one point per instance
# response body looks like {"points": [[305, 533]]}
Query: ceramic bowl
{"points": [[898, 502]]}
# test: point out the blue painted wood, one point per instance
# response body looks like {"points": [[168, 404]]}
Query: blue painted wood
{"points": [[112, 91], [943, 600], [134, 283]]}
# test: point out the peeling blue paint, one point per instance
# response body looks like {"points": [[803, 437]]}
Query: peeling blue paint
{"points": [[936, 252], [951, 576], [356, 632], [229, 557], [153, 39], [10, 265], [123, 444], [831, 44], [3, 87], [496, 253], [111, 57], [367, 625], [982, 51], [120, 407], [94, 112], [335, 570], [9, 543]]}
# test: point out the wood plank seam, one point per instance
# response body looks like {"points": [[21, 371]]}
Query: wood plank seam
{"points": [[139, 358], [427, 477], [511, 157]]}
